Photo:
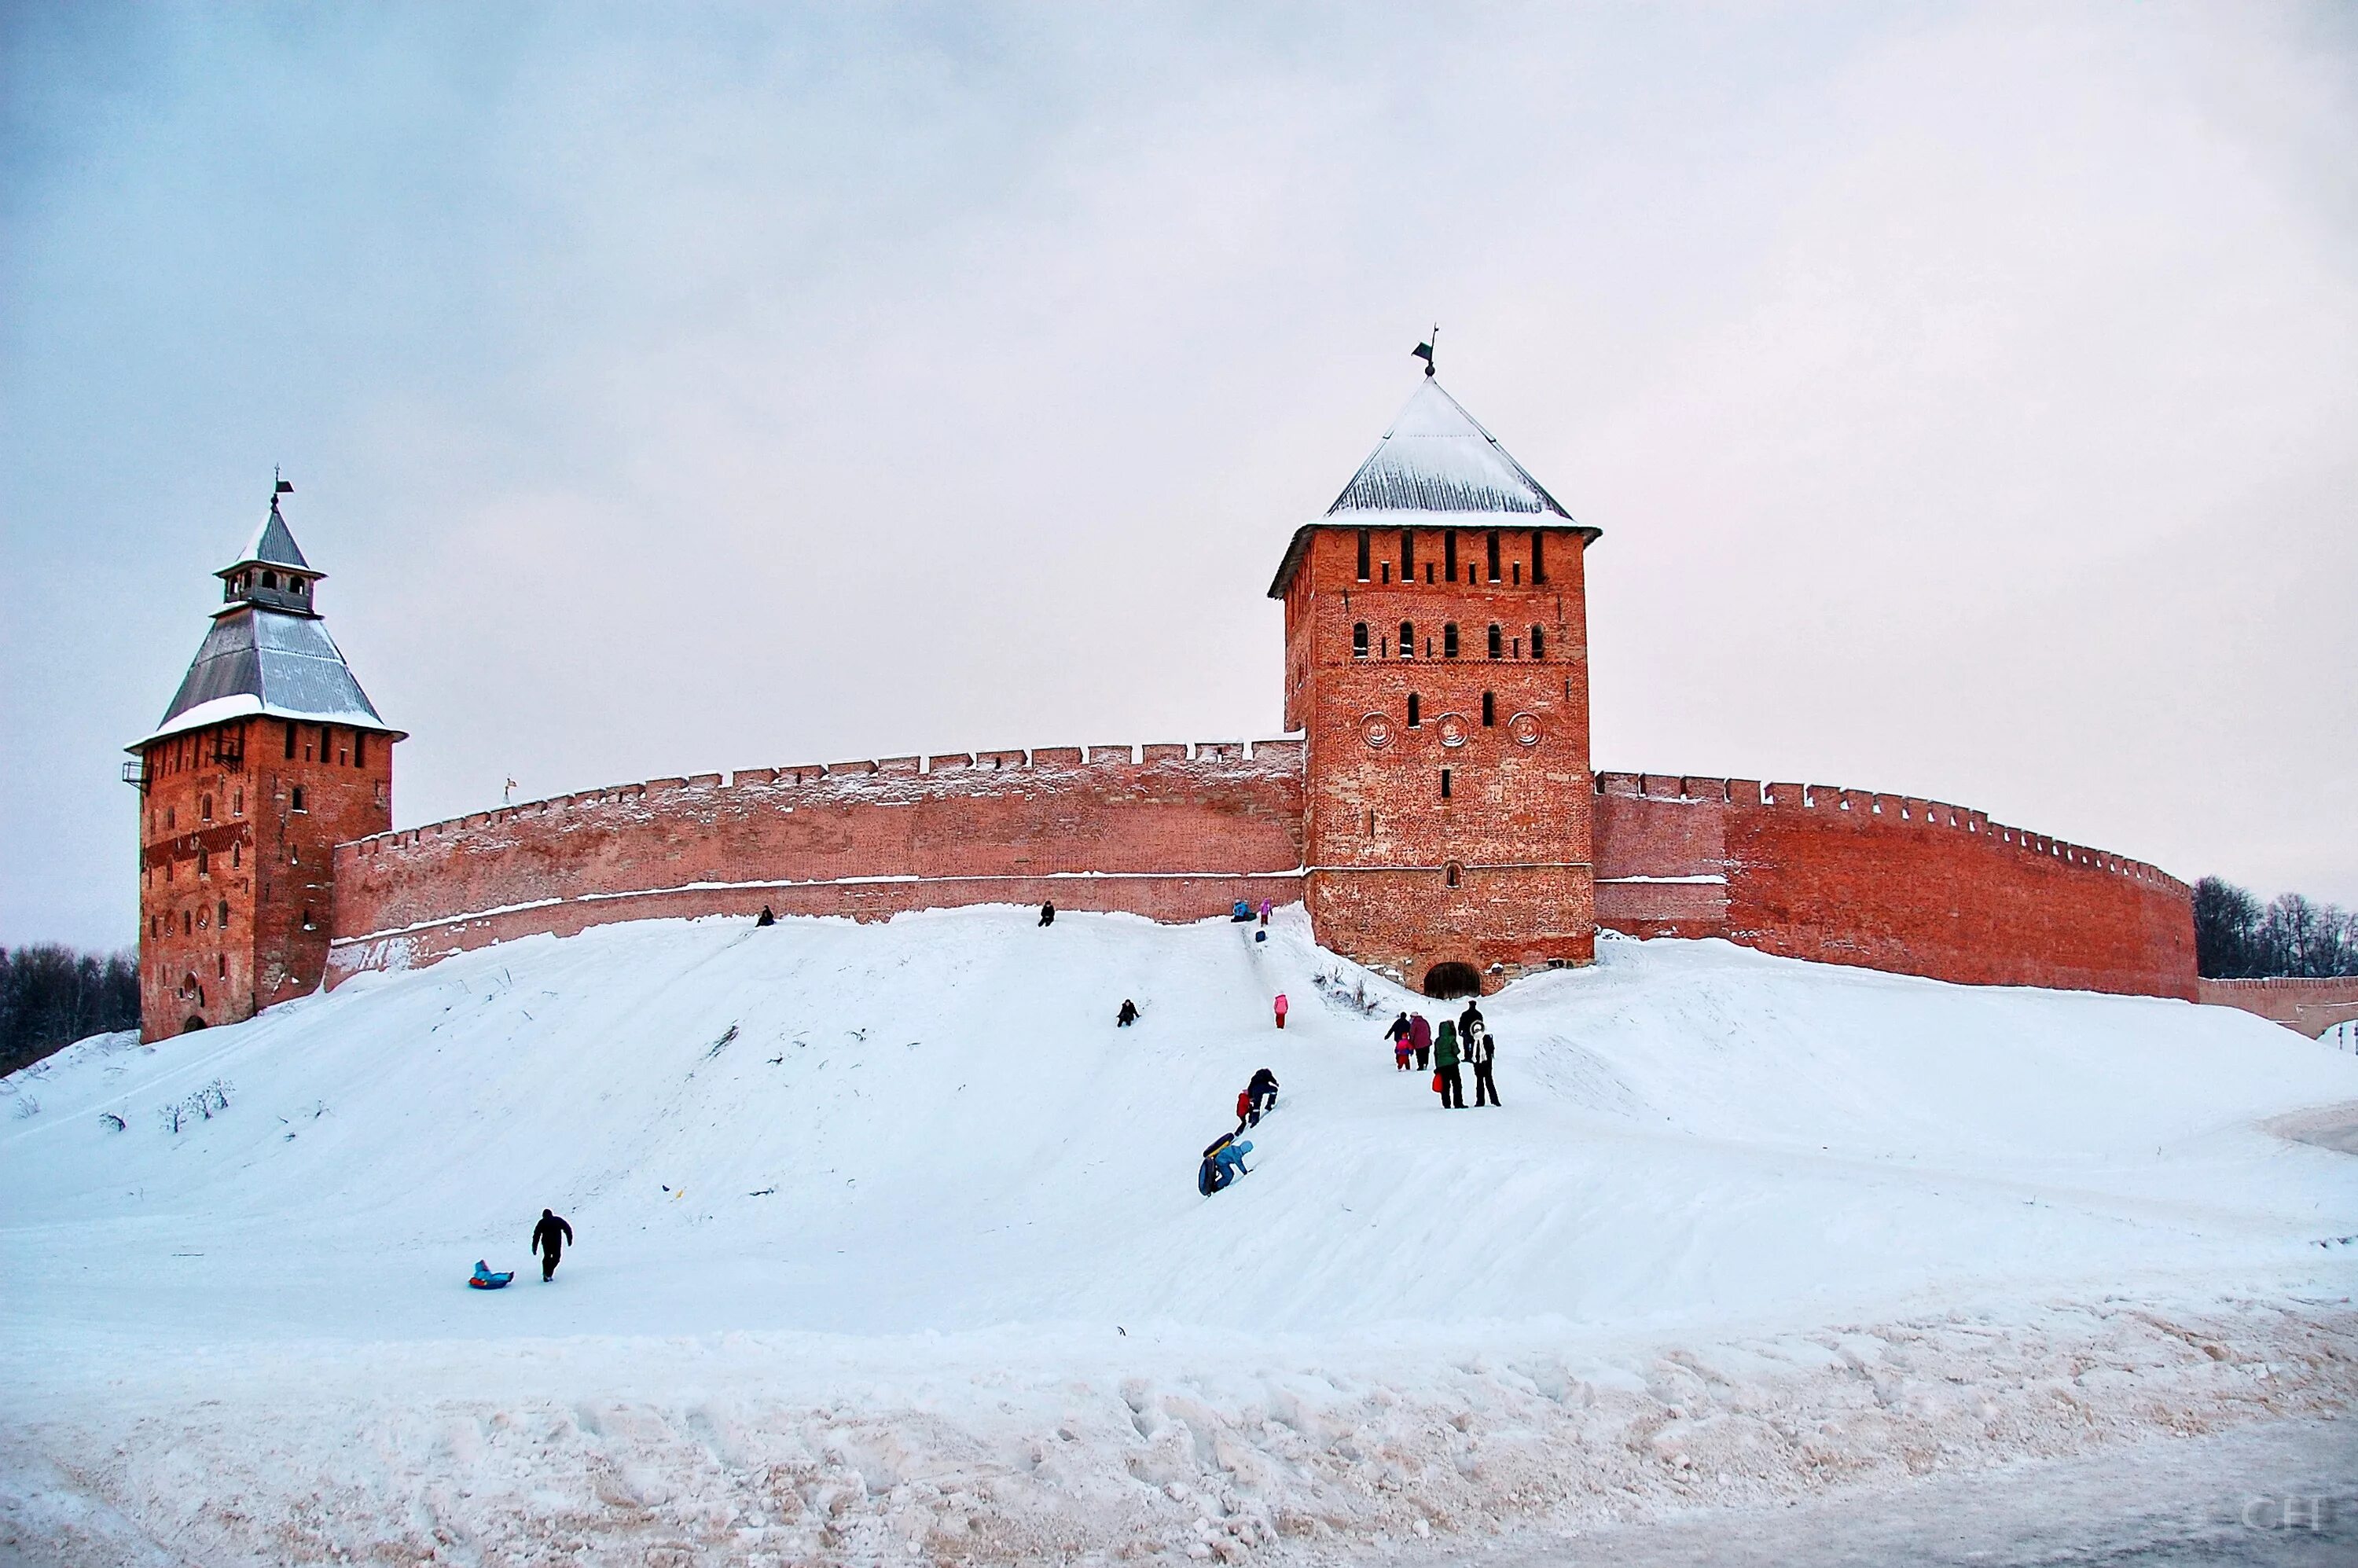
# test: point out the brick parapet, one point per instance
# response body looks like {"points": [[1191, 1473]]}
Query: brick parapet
{"points": [[1888, 882], [1167, 830], [2312, 1006]]}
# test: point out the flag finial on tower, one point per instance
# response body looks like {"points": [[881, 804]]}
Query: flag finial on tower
{"points": [[1424, 350]]}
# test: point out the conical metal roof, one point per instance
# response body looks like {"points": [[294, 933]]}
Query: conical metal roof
{"points": [[1438, 458], [274, 545]]}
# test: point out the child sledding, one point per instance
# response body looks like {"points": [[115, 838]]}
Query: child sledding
{"points": [[484, 1280]]}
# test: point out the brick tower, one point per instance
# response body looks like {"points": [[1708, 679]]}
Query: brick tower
{"points": [[1436, 659], [270, 755]]}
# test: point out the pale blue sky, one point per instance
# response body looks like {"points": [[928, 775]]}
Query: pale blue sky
{"points": [[1969, 395]]}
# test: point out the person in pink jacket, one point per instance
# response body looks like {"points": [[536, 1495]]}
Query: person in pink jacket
{"points": [[1280, 1009]]}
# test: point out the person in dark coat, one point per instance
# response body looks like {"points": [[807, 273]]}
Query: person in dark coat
{"points": [[548, 1239], [1263, 1091], [1047, 914], [1445, 1063], [1399, 1034], [765, 918], [1481, 1048], [1420, 1035], [1128, 1015]]}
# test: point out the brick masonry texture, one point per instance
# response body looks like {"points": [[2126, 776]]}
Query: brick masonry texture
{"points": [[2312, 1006], [1888, 882], [1443, 671], [236, 891], [1176, 833]]}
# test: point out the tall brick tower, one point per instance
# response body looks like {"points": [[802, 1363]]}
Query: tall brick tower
{"points": [[1436, 659], [270, 755]]}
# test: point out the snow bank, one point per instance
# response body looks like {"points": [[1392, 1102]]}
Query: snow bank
{"points": [[887, 1239]]}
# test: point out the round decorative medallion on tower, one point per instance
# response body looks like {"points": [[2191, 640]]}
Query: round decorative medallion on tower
{"points": [[1436, 645]]}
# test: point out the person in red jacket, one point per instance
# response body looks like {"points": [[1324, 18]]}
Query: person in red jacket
{"points": [[1281, 1005]]}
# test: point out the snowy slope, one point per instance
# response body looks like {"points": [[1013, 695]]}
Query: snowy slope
{"points": [[930, 1128]]}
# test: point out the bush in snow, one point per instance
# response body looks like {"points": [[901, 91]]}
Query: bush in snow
{"points": [[26, 1106], [198, 1105]]}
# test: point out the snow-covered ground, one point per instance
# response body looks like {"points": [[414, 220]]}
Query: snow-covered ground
{"points": [[889, 1249]]}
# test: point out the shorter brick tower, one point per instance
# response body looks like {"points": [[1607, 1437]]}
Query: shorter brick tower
{"points": [[269, 756], [1436, 660]]}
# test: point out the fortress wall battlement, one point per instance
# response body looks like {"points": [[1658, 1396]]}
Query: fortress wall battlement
{"points": [[1168, 830], [1884, 880]]}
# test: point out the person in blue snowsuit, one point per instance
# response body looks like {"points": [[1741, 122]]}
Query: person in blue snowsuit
{"points": [[1224, 1161]]}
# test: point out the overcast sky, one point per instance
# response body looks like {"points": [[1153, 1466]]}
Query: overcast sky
{"points": [[1969, 396]]}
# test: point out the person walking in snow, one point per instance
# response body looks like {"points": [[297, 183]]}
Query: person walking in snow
{"points": [[1263, 1091], [1281, 1005], [1444, 1062], [1401, 1036], [1264, 912], [1481, 1049], [548, 1239], [1419, 1035], [1128, 1015], [1047, 914]]}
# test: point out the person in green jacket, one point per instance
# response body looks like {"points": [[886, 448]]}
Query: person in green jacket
{"points": [[1445, 1058]]}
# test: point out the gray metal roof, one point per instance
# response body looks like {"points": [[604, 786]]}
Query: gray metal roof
{"points": [[1438, 458], [267, 655], [274, 545], [262, 662]]}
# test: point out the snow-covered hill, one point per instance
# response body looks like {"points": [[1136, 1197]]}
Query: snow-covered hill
{"points": [[908, 1182]]}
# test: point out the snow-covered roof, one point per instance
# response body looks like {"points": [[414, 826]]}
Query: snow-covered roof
{"points": [[258, 660], [274, 545], [1436, 467], [1438, 458]]}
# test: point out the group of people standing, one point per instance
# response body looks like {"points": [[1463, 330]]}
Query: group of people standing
{"points": [[1465, 1041]]}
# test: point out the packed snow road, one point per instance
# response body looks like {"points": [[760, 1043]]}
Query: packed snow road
{"points": [[887, 1245]]}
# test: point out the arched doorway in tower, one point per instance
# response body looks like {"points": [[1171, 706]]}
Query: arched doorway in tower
{"points": [[1452, 980], [193, 1024]]}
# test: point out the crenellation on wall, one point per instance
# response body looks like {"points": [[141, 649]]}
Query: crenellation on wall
{"points": [[1165, 830], [1891, 881]]}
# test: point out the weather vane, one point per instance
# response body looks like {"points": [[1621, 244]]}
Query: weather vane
{"points": [[1424, 350]]}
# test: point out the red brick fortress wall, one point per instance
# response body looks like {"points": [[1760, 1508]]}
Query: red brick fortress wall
{"points": [[2310, 1006], [1885, 882], [1171, 832]]}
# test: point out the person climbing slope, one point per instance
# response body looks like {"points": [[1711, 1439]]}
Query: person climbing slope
{"points": [[1247, 1111], [1281, 1005], [1444, 1062], [548, 1239], [1402, 1038], [1047, 914], [1263, 1091], [1421, 1036], [1224, 1161], [1128, 1015], [1264, 912]]}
